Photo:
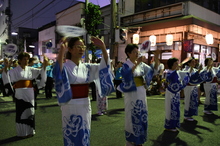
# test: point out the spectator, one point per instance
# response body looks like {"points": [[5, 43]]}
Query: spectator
{"points": [[118, 78]]}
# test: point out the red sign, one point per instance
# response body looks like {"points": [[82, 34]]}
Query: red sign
{"points": [[188, 45]]}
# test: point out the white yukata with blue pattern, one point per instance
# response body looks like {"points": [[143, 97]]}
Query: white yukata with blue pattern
{"points": [[176, 81], [191, 92], [211, 102], [136, 112], [76, 113]]}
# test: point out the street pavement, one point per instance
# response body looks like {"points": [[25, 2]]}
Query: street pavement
{"points": [[108, 130]]}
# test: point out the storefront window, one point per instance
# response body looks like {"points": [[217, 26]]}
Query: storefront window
{"points": [[166, 55], [196, 48], [196, 56], [177, 45], [209, 51]]}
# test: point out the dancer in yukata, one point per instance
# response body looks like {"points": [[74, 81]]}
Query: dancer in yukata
{"points": [[72, 78], [101, 102], [135, 76], [191, 90], [211, 87], [22, 77], [176, 81]]}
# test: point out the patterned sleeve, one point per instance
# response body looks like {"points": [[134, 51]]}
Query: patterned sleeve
{"points": [[104, 82], [127, 84], [62, 85], [197, 78], [217, 69], [149, 73], [174, 83]]}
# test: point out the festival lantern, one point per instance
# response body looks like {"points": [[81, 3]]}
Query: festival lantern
{"points": [[169, 39], [153, 40], [209, 39], [135, 38]]}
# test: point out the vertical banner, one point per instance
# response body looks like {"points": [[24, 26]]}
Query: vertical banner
{"points": [[188, 45]]}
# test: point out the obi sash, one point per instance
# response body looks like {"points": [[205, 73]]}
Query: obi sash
{"points": [[23, 84], [139, 81], [79, 90]]}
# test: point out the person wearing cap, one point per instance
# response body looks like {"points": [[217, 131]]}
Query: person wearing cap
{"points": [[191, 89], [72, 78]]}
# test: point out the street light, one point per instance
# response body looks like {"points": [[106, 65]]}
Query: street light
{"points": [[14, 33]]}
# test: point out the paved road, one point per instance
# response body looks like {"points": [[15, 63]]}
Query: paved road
{"points": [[108, 130]]}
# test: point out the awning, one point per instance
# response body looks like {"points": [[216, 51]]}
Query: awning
{"points": [[178, 21]]}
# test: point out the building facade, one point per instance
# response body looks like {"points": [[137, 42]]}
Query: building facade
{"points": [[71, 16], [186, 21]]}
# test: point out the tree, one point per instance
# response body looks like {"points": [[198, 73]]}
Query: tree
{"points": [[93, 19]]}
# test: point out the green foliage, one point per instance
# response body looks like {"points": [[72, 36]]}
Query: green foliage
{"points": [[93, 19]]}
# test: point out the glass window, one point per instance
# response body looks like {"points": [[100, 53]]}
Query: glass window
{"points": [[166, 55], [196, 48], [196, 56], [177, 45], [209, 51]]}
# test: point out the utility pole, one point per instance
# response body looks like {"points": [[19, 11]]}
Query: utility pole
{"points": [[86, 39], [112, 29], [9, 14]]}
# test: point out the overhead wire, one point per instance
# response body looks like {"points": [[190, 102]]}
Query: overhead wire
{"points": [[27, 20], [28, 11], [32, 15], [65, 10], [43, 12]]}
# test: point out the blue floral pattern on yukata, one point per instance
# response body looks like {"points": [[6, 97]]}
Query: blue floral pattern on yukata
{"points": [[140, 123], [213, 99], [75, 132], [175, 113], [193, 105], [127, 84], [174, 85]]}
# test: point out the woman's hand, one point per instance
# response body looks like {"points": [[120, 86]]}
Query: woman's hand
{"points": [[6, 62], [62, 51], [63, 43], [98, 42], [141, 59], [210, 64]]}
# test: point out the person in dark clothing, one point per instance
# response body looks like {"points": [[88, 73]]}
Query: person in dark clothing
{"points": [[118, 78], [50, 82]]}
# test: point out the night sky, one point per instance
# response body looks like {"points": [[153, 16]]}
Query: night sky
{"points": [[36, 13]]}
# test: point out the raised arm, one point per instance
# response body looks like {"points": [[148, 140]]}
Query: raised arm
{"points": [[7, 65], [100, 44], [46, 62], [62, 51]]}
